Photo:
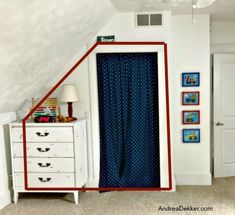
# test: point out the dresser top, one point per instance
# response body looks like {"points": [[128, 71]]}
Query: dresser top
{"points": [[48, 124]]}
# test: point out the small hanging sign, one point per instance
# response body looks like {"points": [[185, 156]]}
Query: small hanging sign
{"points": [[110, 38]]}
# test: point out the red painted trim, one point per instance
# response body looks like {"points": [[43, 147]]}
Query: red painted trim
{"points": [[131, 43], [191, 123], [197, 92], [61, 81], [25, 155], [99, 189], [168, 116]]}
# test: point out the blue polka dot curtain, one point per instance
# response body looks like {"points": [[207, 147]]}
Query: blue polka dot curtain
{"points": [[129, 119]]}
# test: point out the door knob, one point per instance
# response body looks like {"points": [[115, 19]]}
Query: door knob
{"points": [[219, 124]]}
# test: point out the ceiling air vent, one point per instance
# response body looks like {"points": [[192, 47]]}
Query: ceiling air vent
{"points": [[148, 19]]}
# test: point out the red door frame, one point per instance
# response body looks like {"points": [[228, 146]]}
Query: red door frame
{"points": [[61, 81]]}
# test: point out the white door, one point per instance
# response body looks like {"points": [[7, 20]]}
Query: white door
{"points": [[224, 115]]}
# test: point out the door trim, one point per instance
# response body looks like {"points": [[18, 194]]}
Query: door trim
{"points": [[217, 60], [95, 145]]}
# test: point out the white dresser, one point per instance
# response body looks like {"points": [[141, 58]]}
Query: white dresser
{"points": [[56, 156]]}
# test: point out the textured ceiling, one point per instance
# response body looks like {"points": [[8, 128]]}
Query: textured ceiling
{"points": [[221, 10], [37, 40]]}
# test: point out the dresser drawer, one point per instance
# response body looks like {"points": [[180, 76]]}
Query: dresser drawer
{"points": [[46, 180], [44, 165], [43, 134], [44, 150]]}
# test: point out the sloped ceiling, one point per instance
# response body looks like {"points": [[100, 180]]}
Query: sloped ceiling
{"points": [[38, 38], [220, 10]]}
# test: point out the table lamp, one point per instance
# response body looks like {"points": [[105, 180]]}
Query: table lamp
{"points": [[69, 94]]}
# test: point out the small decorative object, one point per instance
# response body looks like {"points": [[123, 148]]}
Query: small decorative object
{"points": [[190, 98], [191, 117], [191, 135], [65, 119], [41, 119], [110, 38], [191, 79], [69, 94], [47, 109]]}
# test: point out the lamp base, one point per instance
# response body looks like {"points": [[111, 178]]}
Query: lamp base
{"points": [[70, 109], [66, 119], [70, 119]]}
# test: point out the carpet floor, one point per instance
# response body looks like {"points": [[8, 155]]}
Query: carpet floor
{"points": [[220, 197]]}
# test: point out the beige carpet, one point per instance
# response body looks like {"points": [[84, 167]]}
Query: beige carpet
{"points": [[220, 196]]}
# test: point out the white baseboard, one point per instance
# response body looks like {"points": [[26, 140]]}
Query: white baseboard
{"points": [[5, 199], [193, 178], [173, 184]]}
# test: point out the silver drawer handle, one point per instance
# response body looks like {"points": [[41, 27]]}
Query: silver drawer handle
{"points": [[42, 134], [44, 180], [43, 150], [44, 165]]}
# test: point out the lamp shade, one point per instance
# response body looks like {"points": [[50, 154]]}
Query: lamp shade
{"points": [[69, 93]]}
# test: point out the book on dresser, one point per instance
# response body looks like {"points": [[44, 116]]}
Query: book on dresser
{"points": [[56, 157]]}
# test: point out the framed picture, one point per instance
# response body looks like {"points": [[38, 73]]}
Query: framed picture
{"points": [[191, 135], [190, 117], [190, 98], [191, 79]]}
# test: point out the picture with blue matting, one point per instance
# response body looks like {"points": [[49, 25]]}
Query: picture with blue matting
{"points": [[191, 79], [191, 135]]}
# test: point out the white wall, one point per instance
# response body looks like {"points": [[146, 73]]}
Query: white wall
{"points": [[222, 37], [123, 27], [191, 52], [5, 165], [190, 44]]}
